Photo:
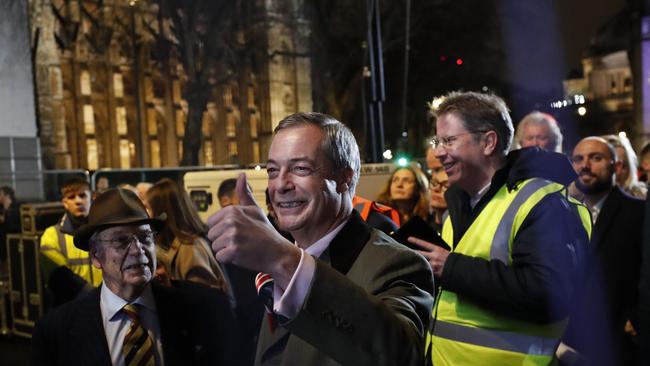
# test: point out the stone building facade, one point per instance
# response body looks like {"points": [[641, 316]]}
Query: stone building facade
{"points": [[106, 101]]}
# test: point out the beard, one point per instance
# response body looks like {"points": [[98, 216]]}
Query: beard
{"points": [[598, 186]]}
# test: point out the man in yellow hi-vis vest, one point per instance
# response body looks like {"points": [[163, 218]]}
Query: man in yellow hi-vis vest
{"points": [[68, 270], [518, 242]]}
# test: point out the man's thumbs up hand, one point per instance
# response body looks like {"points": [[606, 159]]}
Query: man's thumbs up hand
{"points": [[241, 234], [244, 191]]}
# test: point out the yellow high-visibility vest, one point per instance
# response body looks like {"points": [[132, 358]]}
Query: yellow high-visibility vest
{"points": [[464, 333], [59, 248]]}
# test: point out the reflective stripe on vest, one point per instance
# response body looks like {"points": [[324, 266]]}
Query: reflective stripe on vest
{"points": [[501, 340], [499, 249], [61, 238]]}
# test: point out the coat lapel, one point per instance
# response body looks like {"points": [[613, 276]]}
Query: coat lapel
{"points": [[87, 330], [172, 321], [271, 343], [348, 243], [341, 254], [607, 213]]}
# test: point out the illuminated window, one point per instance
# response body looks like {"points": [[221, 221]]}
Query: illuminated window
{"points": [[155, 153], [84, 80], [152, 127], [180, 123], [176, 91], [254, 125], [232, 148], [256, 152], [120, 116], [205, 125], [207, 153], [231, 125], [180, 148], [125, 154], [227, 96], [118, 85], [148, 89], [89, 119], [251, 97], [91, 154]]}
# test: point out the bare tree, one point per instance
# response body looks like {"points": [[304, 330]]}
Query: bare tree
{"points": [[200, 34]]}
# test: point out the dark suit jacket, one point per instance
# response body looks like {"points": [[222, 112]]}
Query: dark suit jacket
{"points": [[195, 324], [369, 303], [610, 293]]}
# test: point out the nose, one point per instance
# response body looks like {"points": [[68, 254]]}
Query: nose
{"points": [[439, 152], [284, 181], [135, 246]]}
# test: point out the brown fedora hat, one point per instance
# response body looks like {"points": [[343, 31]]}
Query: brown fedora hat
{"points": [[112, 208]]}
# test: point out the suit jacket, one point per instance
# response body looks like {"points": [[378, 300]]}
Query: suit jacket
{"points": [[610, 292], [369, 303], [196, 328]]}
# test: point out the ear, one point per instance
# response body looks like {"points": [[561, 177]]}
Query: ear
{"points": [[490, 139], [345, 181], [94, 258]]}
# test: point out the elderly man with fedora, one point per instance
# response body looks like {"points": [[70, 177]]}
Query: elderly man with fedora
{"points": [[130, 319]]}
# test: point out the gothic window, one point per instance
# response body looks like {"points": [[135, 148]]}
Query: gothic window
{"points": [[254, 122], [152, 127], [118, 85], [256, 151], [154, 147], [125, 154], [89, 119], [205, 124], [120, 116], [176, 91], [207, 153], [227, 97], [231, 125], [180, 123], [84, 80], [91, 154], [251, 97]]}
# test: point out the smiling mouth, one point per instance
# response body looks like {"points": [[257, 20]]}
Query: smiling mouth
{"points": [[135, 266], [448, 166], [291, 204]]}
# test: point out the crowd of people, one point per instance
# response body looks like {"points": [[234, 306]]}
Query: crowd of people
{"points": [[502, 250]]}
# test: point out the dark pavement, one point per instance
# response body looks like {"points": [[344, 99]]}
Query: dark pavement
{"points": [[14, 351]]}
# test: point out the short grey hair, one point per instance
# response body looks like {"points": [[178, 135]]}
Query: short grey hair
{"points": [[339, 145], [481, 113], [540, 119]]}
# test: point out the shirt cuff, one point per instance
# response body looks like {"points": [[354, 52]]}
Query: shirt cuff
{"points": [[287, 302]]}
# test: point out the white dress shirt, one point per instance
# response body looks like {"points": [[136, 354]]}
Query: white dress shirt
{"points": [[117, 323], [287, 302]]}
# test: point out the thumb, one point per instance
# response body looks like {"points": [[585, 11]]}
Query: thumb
{"points": [[244, 192]]}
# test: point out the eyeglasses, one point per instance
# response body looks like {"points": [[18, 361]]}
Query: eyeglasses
{"points": [[448, 142], [123, 243], [433, 185]]}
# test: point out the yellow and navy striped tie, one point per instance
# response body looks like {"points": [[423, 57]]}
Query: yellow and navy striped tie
{"points": [[138, 346]]}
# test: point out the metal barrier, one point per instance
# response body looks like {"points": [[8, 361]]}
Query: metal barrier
{"points": [[134, 176]]}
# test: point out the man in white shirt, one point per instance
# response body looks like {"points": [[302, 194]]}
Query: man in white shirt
{"points": [[131, 319], [344, 293]]}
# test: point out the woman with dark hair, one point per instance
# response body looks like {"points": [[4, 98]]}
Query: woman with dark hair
{"points": [[182, 249], [407, 191]]}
